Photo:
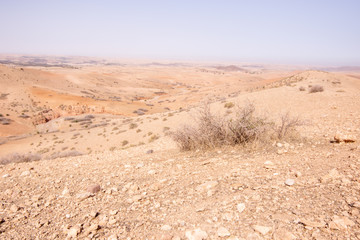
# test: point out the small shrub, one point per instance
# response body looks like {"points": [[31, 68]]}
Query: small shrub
{"points": [[133, 125], [229, 105], [125, 142], [17, 158], [316, 88], [302, 89]]}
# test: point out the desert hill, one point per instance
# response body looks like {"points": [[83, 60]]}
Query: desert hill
{"points": [[132, 182]]}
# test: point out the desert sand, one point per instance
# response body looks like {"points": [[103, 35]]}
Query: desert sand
{"points": [[131, 181]]}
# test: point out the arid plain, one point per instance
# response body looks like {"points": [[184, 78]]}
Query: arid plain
{"points": [[109, 168]]}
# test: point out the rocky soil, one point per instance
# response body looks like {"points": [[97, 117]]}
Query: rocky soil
{"points": [[308, 191]]}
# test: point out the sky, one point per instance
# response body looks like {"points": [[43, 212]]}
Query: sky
{"points": [[323, 32]]}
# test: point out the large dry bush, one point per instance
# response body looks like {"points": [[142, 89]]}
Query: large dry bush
{"points": [[17, 158], [244, 127], [212, 130]]}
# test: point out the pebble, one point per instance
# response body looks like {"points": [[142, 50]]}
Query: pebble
{"points": [[112, 237], [94, 188], [223, 232], [25, 173], [340, 223], [113, 212], [74, 231], [282, 234], [206, 186], [83, 196], [6, 175], [289, 182], [14, 208], [196, 234], [166, 227], [240, 207], [269, 165], [65, 191]]}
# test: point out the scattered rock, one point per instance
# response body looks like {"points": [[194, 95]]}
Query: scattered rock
{"points": [[340, 223], [196, 234], [269, 165], [332, 175], [223, 232], [149, 151], [83, 196], [74, 231], [340, 137], [65, 191], [94, 188], [206, 186], [112, 237], [92, 229], [14, 208], [282, 234], [25, 173], [262, 229], [312, 223]]}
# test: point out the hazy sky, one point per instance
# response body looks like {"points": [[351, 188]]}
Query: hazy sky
{"points": [[282, 31]]}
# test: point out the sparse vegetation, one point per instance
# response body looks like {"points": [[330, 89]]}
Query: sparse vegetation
{"points": [[302, 89], [17, 158], [72, 153], [316, 88]]}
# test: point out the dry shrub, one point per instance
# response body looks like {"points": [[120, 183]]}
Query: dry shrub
{"points": [[288, 125], [244, 128], [17, 158], [316, 88], [301, 88]]}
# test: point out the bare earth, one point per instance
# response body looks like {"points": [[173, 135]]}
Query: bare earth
{"points": [[305, 189]]}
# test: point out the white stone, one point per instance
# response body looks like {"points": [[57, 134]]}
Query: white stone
{"points": [[240, 207], [166, 227], [196, 234], [223, 232], [289, 182], [261, 229]]}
